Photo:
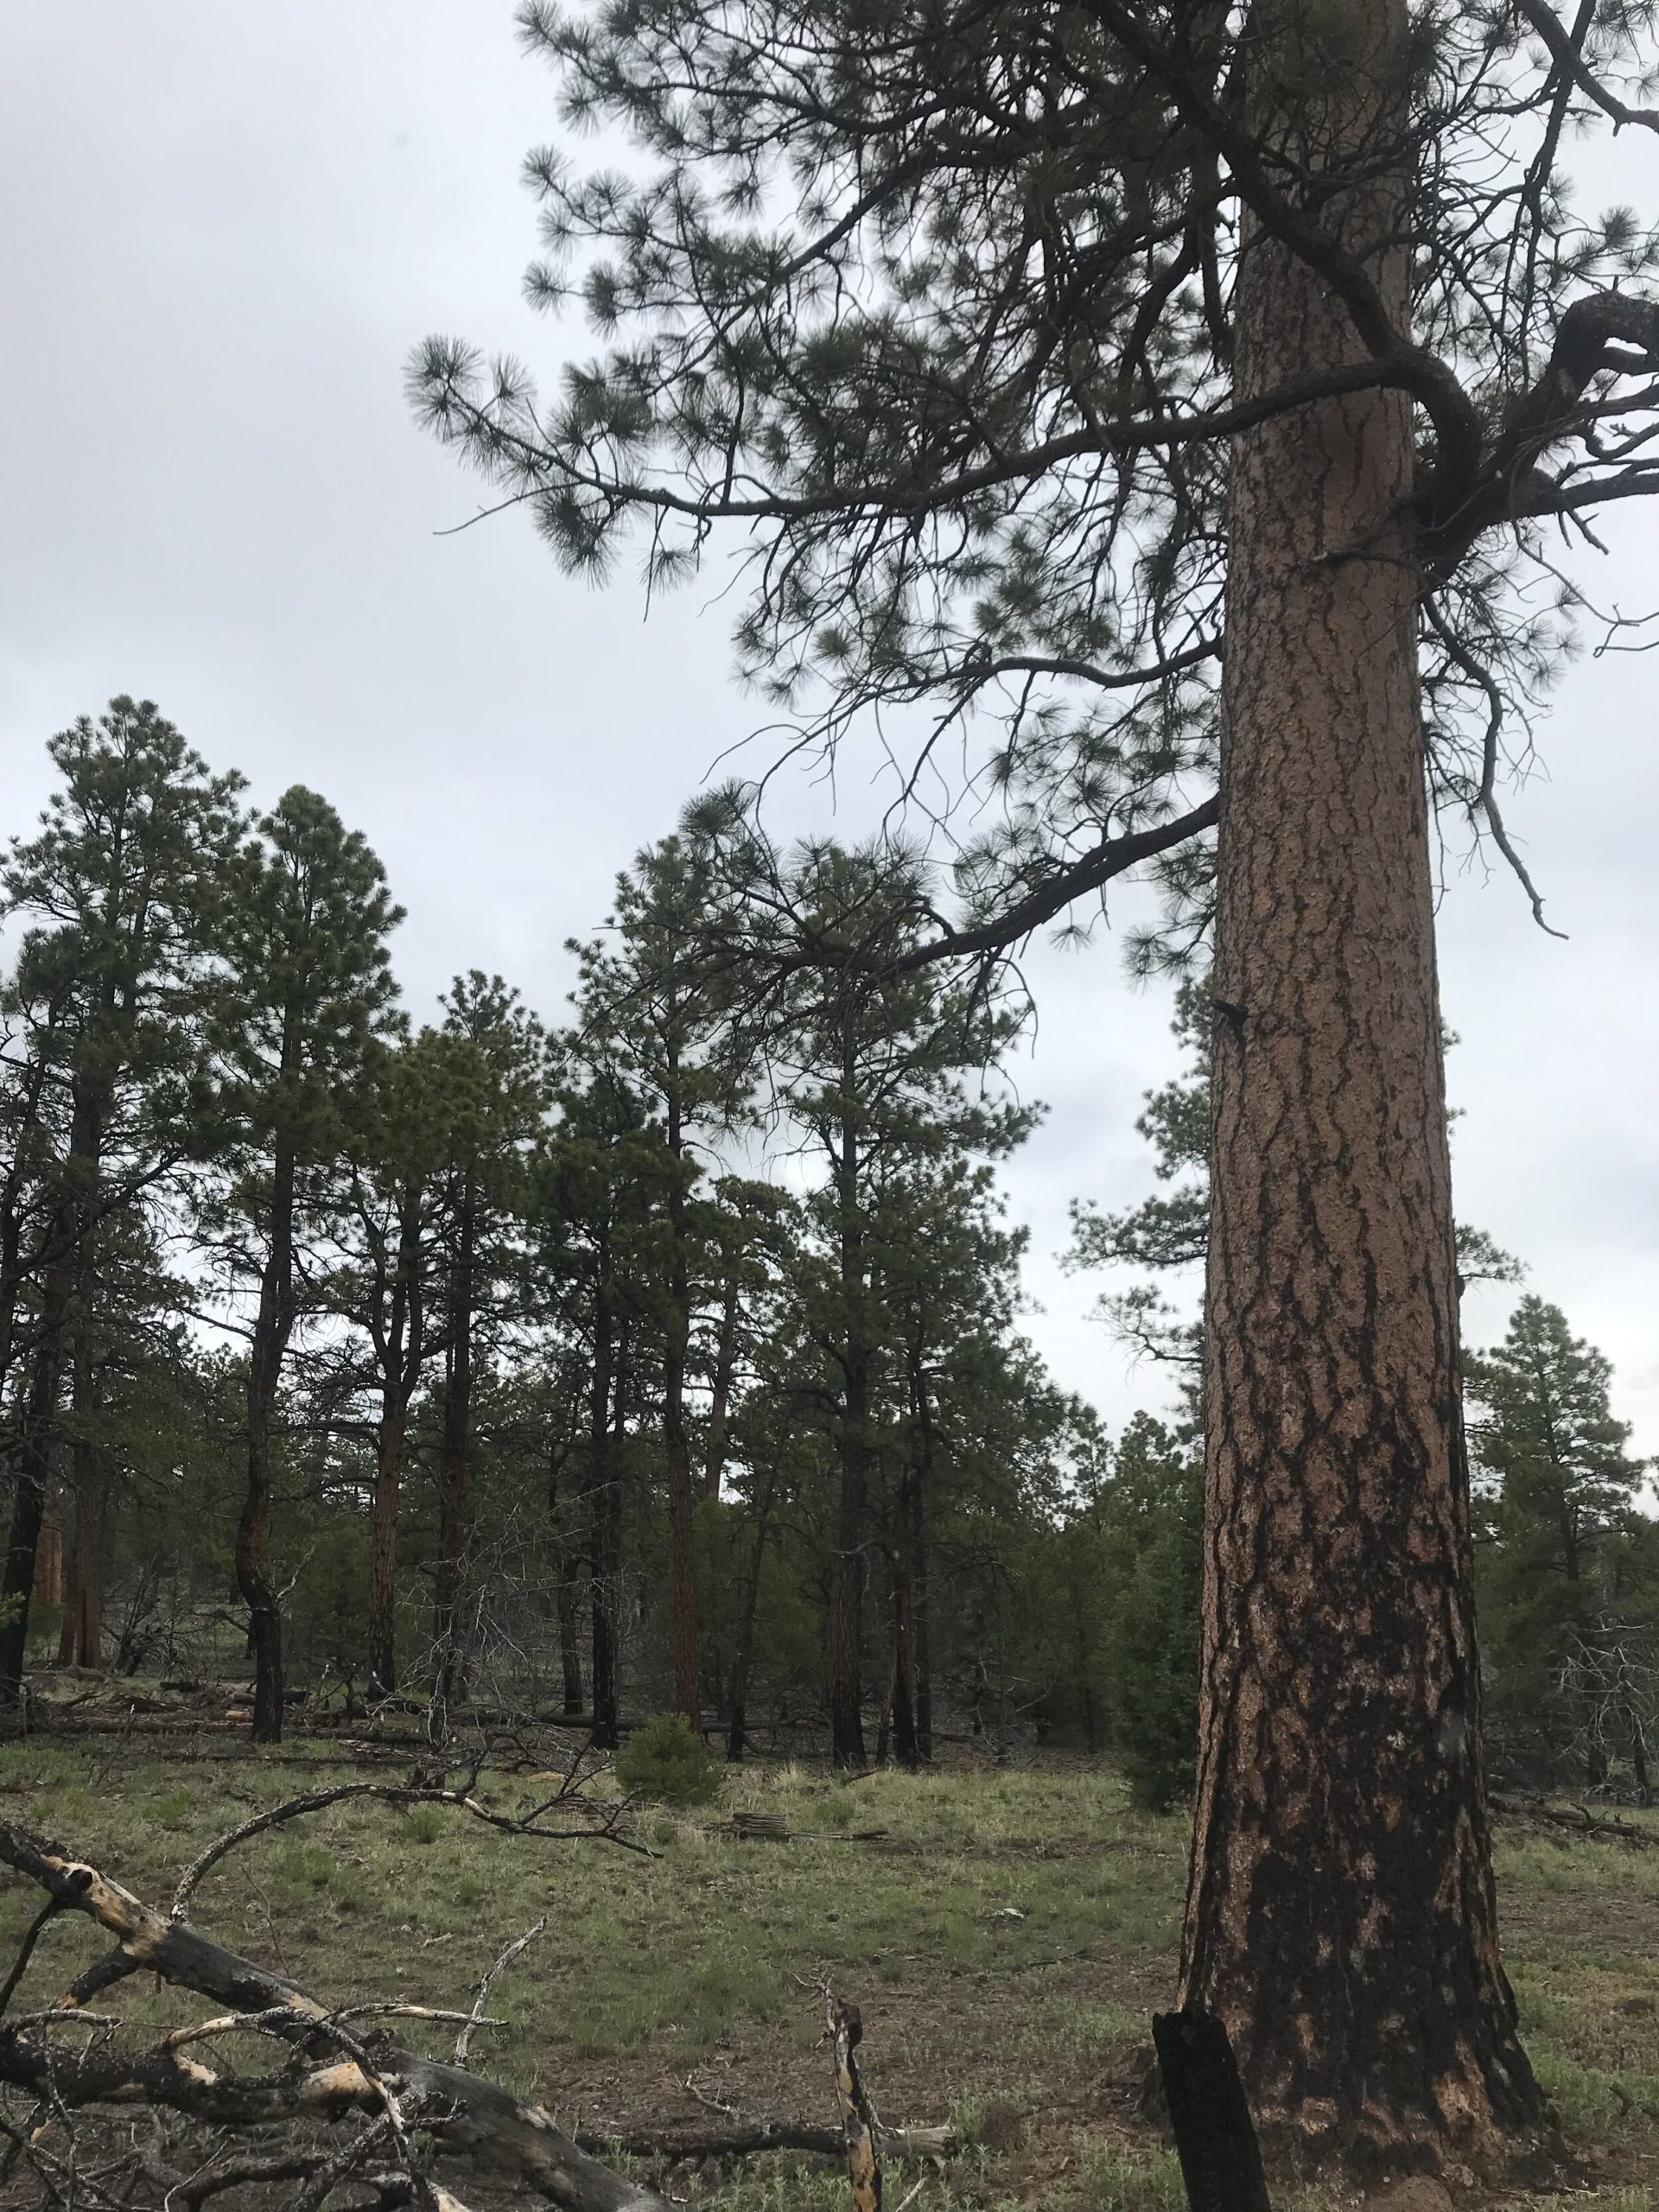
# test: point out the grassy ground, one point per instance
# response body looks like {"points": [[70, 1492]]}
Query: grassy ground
{"points": [[1006, 1933]]}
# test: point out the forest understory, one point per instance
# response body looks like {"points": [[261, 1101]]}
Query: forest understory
{"points": [[1006, 1930]]}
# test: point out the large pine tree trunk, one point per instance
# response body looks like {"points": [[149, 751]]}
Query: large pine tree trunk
{"points": [[1340, 1915]]}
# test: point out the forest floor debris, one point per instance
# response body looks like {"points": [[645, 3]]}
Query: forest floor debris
{"points": [[661, 1985]]}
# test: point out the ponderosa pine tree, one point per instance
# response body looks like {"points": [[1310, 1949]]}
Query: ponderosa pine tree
{"points": [[491, 1091], [395, 1144], [653, 994], [1050, 360], [872, 1064], [600, 1185], [1556, 1573], [114, 891], [309, 987]]}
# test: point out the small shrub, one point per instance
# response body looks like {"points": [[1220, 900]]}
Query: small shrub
{"points": [[422, 1824], [667, 1762], [662, 1831]]}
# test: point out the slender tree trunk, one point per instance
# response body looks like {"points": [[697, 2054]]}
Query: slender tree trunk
{"points": [[604, 1547], [273, 1325], [453, 1448], [564, 1580], [383, 1538], [720, 1388], [843, 1655], [913, 1537], [63, 1286], [398, 1326], [570, 1646], [905, 1748], [13, 1267], [681, 1496], [843, 1644], [80, 1631], [38, 1431], [743, 1659], [1340, 1917]]}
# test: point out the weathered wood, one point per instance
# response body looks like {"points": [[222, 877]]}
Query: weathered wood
{"points": [[1579, 1820], [858, 2124], [1215, 2137], [772, 1825], [740, 2137], [467, 2115]]}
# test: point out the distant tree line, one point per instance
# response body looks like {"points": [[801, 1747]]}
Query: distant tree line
{"points": [[667, 1357]]}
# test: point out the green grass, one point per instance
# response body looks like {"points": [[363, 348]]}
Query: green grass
{"points": [[1005, 1934]]}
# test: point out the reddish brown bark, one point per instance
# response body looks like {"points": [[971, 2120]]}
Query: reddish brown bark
{"points": [[1340, 1917]]}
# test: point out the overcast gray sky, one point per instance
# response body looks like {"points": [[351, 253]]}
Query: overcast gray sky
{"points": [[225, 227]]}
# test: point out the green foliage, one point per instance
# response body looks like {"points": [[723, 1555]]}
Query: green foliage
{"points": [[1567, 1569], [666, 1762]]}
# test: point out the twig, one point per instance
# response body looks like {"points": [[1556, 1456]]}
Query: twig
{"points": [[504, 1958]]}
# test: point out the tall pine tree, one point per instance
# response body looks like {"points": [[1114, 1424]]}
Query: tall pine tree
{"points": [[309, 987], [1052, 361]]}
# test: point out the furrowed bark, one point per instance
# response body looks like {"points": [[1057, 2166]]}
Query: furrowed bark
{"points": [[1340, 1917]]}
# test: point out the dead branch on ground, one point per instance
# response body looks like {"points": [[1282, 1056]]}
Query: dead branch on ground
{"points": [[353, 2118]]}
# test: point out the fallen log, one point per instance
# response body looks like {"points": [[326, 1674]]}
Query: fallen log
{"points": [[771, 1825], [1579, 1821], [742, 2139], [465, 2115]]}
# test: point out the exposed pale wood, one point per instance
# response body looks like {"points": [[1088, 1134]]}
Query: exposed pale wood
{"points": [[858, 2123], [468, 2116]]}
